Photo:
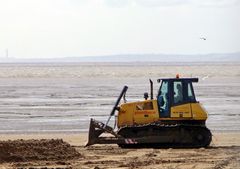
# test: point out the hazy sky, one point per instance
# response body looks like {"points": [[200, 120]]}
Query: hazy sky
{"points": [[62, 28]]}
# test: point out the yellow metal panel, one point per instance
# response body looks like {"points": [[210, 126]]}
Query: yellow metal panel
{"points": [[198, 111], [181, 111], [147, 111], [146, 115], [138, 113], [125, 115]]}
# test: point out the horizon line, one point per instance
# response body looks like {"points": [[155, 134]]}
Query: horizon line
{"points": [[115, 55]]}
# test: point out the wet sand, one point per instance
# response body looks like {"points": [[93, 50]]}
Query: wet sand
{"points": [[223, 153]]}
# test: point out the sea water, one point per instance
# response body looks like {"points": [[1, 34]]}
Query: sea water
{"points": [[53, 98]]}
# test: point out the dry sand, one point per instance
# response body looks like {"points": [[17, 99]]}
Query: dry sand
{"points": [[224, 152]]}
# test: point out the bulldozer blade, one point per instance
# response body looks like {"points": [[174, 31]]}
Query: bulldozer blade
{"points": [[94, 133], [96, 128]]}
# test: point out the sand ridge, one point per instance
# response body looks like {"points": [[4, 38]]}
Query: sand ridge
{"points": [[36, 150]]}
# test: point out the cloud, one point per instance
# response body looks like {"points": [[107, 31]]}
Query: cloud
{"points": [[118, 3], [169, 3], [94, 27], [215, 3], [159, 3]]}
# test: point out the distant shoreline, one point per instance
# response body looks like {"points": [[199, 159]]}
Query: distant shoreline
{"points": [[133, 58], [123, 63]]}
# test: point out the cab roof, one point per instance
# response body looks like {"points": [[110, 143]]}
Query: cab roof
{"points": [[178, 79]]}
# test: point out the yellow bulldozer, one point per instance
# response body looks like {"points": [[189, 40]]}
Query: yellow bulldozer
{"points": [[174, 119]]}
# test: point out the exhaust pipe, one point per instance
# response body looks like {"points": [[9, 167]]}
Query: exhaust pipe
{"points": [[151, 89]]}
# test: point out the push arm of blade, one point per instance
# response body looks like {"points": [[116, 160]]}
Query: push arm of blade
{"points": [[124, 90]]}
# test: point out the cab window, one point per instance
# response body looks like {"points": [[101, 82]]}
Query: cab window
{"points": [[164, 88], [163, 100], [178, 92], [190, 94], [163, 96]]}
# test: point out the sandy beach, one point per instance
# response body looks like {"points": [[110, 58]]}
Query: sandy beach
{"points": [[223, 153]]}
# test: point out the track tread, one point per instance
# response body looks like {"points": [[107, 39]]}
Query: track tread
{"points": [[180, 135]]}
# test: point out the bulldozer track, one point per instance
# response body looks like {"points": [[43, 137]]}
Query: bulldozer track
{"points": [[173, 135]]}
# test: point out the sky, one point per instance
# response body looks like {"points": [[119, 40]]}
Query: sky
{"points": [[72, 28]]}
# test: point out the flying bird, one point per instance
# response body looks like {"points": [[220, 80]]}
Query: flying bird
{"points": [[203, 38]]}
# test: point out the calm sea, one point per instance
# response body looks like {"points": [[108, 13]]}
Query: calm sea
{"points": [[38, 98]]}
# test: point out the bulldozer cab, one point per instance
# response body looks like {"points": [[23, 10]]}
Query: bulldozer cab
{"points": [[175, 92]]}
